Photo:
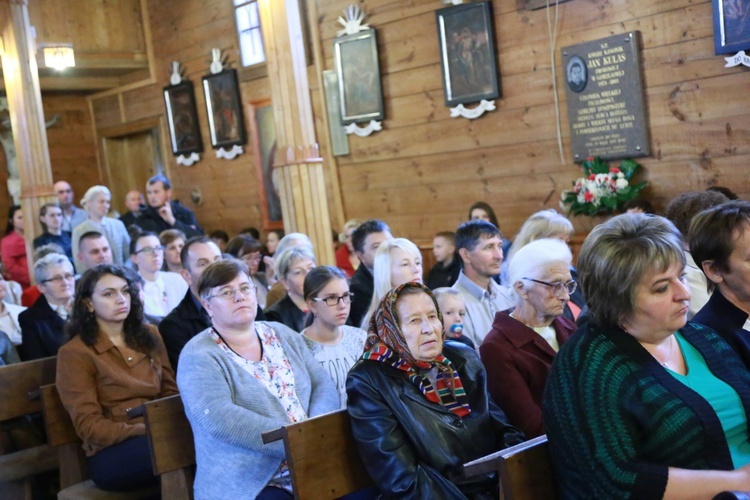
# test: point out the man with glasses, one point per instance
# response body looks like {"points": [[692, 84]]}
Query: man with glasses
{"points": [[71, 214], [162, 290], [42, 324], [479, 245]]}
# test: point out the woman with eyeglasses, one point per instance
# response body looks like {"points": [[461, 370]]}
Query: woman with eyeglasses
{"points": [[291, 267], [163, 290], [519, 350], [239, 379], [112, 363], [334, 344], [249, 249]]}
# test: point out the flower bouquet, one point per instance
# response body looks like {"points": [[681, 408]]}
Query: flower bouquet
{"points": [[603, 189]]}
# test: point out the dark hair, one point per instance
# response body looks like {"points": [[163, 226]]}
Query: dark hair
{"points": [[712, 232], [83, 323], [725, 191], [469, 233], [89, 235], [9, 227], [219, 274], [219, 234], [318, 278], [241, 245], [192, 241], [252, 231], [640, 203], [43, 212], [487, 208], [685, 206], [448, 235], [365, 229], [136, 238], [160, 178]]}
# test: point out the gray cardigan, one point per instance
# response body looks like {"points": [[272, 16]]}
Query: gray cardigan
{"points": [[229, 410]]}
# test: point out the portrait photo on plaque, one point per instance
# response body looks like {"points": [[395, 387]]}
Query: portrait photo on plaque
{"points": [[466, 35], [358, 71], [225, 120], [182, 118], [731, 25], [576, 74]]}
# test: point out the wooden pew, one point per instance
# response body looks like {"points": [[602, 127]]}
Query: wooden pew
{"points": [[525, 470], [19, 394], [170, 438], [74, 482], [322, 456]]}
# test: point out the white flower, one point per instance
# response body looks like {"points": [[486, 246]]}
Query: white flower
{"points": [[620, 175], [622, 183]]}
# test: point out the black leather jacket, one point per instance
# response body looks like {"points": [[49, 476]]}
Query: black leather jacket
{"points": [[415, 449]]}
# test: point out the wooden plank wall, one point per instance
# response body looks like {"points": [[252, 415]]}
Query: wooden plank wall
{"points": [[423, 171]]}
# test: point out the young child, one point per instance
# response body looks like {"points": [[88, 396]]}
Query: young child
{"points": [[448, 265], [453, 307]]}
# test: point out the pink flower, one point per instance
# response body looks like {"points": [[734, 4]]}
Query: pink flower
{"points": [[588, 196], [614, 170], [592, 177]]}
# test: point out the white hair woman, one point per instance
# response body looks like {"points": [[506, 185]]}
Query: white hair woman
{"points": [[519, 350], [96, 202], [291, 267], [397, 261]]}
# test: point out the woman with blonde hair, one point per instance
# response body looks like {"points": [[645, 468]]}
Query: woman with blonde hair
{"points": [[96, 202], [397, 261]]}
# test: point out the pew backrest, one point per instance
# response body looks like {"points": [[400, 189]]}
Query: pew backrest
{"points": [[322, 456], [19, 386]]}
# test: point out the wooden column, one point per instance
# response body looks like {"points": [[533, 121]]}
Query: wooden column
{"points": [[26, 115], [298, 167]]}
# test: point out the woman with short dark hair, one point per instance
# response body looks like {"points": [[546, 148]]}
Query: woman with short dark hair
{"points": [[639, 403], [113, 362], [239, 379], [249, 249]]}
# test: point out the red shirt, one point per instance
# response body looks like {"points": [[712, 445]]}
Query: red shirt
{"points": [[13, 251], [343, 262]]}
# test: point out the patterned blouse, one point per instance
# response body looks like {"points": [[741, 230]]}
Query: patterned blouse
{"points": [[275, 373]]}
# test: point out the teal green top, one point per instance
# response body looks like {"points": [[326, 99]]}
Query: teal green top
{"points": [[721, 396]]}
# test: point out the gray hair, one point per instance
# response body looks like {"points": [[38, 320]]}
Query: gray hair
{"points": [[93, 192], [284, 262], [617, 255], [292, 240], [543, 224], [534, 259], [41, 266]]}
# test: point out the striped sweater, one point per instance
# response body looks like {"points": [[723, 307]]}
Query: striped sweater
{"points": [[616, 419]]}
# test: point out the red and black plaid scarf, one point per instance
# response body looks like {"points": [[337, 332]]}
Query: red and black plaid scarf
{"points": [[386, 343]]}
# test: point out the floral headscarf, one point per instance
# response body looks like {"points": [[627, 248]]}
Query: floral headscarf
{"points": [[386, 344]]}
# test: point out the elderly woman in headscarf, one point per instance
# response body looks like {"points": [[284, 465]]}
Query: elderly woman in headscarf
{"points": [[419, 409], [519, 350]]}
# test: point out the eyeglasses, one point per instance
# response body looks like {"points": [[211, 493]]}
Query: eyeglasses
{"points": [[558, 286], [333, 300], [231, 294], [150, 250], [60, 279]]}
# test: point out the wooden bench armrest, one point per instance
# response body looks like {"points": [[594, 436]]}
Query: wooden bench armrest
{"points": [[274, 435], [491, 462], [137, 412]]}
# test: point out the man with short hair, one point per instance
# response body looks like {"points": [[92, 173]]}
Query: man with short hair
{"points": [[43, 324], [134, 203], [189, 317], [161, 213], [93, 249], [448, 265], [365, 239], [479, 245], [71, 214]]}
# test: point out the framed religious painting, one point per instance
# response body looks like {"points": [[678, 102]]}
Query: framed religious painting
{"points": [[263, 138], [358, 71], [731, 25], [182, 118], [225, 119], [466, 35]]}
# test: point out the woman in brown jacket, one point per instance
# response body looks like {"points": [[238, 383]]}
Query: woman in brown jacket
{"points": [[112, 363]]}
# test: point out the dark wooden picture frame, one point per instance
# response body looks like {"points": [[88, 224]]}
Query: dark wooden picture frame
{"points": [[182, 118], [358, 70], [731, 25], [225, 119], [466, 35], [263, 138]]}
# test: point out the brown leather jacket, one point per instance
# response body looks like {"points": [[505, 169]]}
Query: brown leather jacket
{"points": [[99, 383]]}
